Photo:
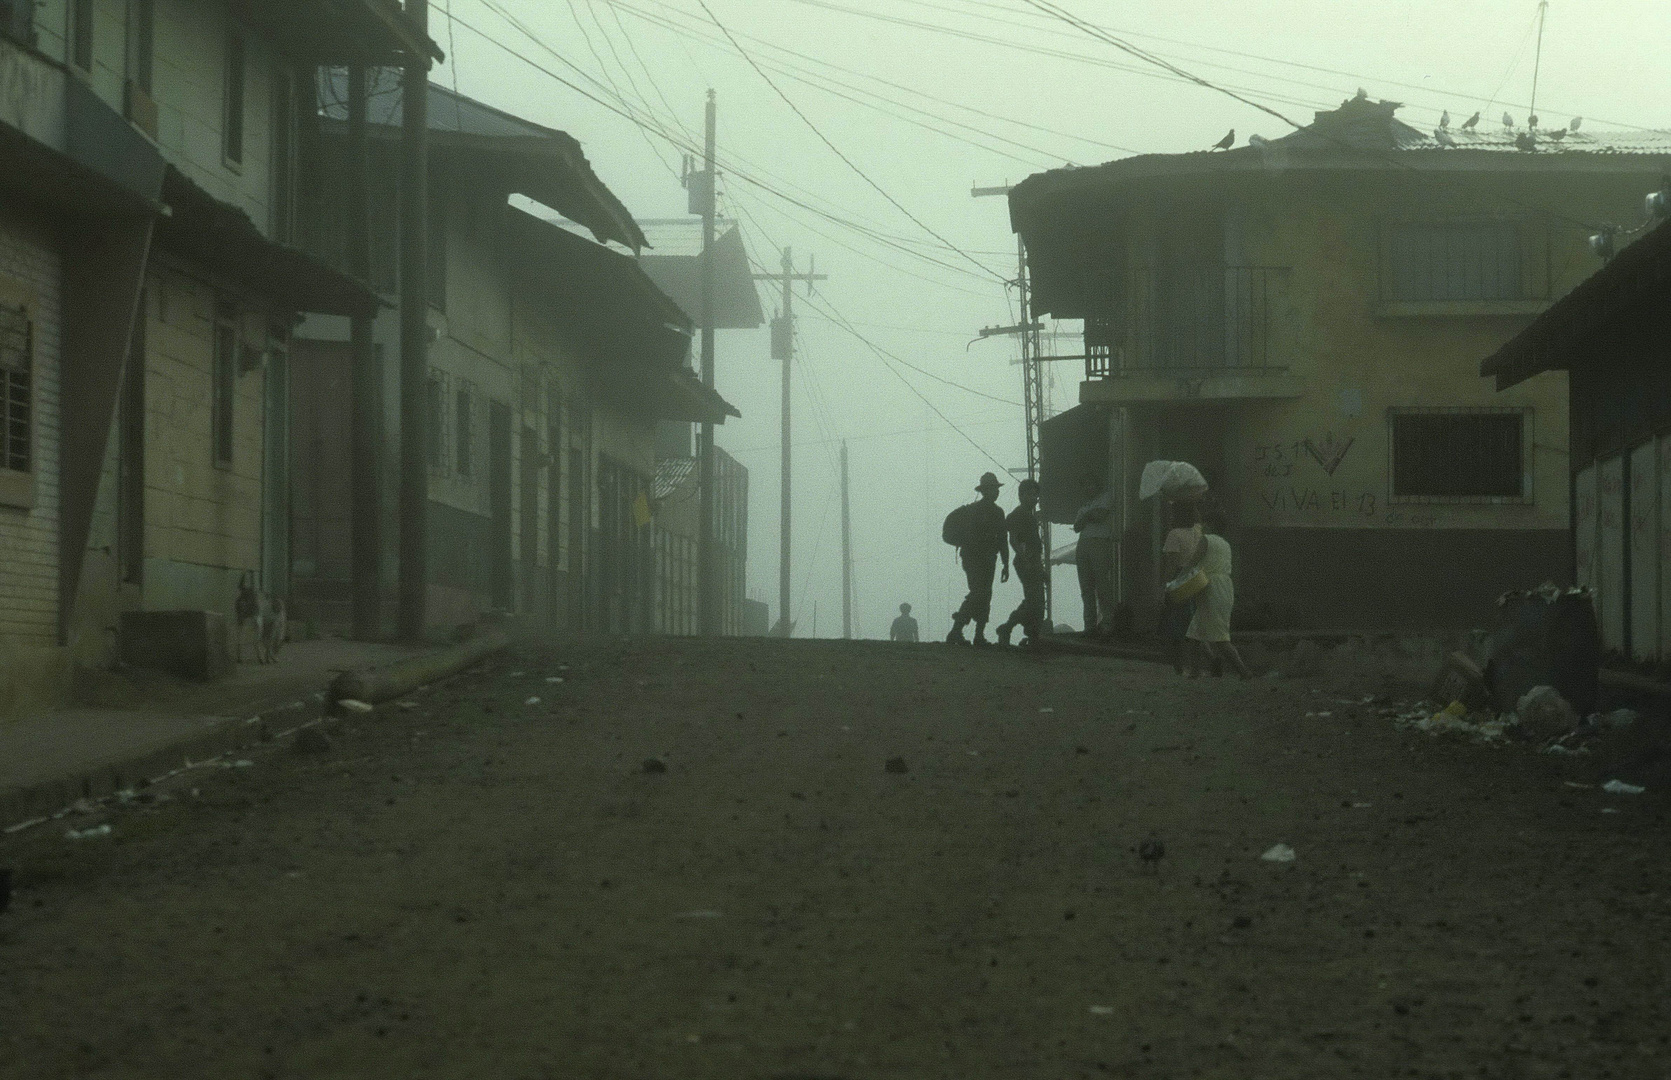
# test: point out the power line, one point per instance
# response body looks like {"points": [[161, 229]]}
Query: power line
{"points": [[837, 150]]}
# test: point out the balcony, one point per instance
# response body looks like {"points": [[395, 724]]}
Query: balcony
{"points": [[1189, 333]]}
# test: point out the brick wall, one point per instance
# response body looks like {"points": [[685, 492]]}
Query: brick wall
{"points": [[29, 273]]}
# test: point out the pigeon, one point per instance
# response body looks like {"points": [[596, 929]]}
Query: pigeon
{"points": [[1525, 141], [1152, 851], [1532, 121], [1444, 138], [1471, 123], [1575, 122], [1361, 95], [1508, 121], [1227, 142], [1558, 134], [1445, 119], [1259, 142]]}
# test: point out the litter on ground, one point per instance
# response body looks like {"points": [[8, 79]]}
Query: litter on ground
{"points": [[1619, 787], [532, 701], [90, 833], [354, 705], [1279, 853]]}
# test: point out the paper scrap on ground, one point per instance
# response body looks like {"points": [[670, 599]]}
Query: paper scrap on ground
{"points": [[354, 705], [92, 833], [1619, 787], [1279, 853]]}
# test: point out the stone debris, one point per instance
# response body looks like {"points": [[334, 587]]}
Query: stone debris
{"points": [[312, 741], [896, 765], [655, 766]]}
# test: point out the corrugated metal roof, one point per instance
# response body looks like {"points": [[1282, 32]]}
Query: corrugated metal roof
{"points": [[672, 474]]}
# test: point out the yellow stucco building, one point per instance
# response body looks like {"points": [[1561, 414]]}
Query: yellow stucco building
{"points": [[1302, 319]]}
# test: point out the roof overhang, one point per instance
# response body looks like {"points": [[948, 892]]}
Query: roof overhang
{"points": [[1562, 338], [736, 300], [341, 31], [223, 239]]}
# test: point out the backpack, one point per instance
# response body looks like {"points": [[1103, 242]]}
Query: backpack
{"points": [[959, 527]]}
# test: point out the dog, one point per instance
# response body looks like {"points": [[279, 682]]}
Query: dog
{"points": [[264, 615]]}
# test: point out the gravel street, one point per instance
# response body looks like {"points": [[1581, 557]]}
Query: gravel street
{"points": [[839, 860]]}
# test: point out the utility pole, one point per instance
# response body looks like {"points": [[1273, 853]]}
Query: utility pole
{"points": [[703, 198], [1032, 376], [783, 348], [414, 333], [846, 553], [364, 482]]}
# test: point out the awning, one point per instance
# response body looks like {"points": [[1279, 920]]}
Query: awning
{"points": [[222, 238], [1561, 339]]}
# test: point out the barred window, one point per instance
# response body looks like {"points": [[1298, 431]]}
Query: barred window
{"points": [[462, 419], [1459, 455], [1465, 260], [436, 427], [16, 400]]}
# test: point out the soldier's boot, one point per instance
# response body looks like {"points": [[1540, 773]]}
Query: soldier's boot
{"points": [[980, 634], [956, 636], [1004, 631]]}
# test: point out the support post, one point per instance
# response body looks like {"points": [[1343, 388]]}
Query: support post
{"points": [[707, 607], [846, 553], [783, 348], [367, 426], [414, 334]]}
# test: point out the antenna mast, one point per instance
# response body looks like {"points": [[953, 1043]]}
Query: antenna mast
{"points": [[1537, 63]]}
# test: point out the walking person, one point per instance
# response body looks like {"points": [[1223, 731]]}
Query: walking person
{"points": [[977, 531], [904, 627], [1182, 549], [1094, 558], [1022, 526], [1211, 622]]}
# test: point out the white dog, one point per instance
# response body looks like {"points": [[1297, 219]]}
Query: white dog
{"points": [[264, 615]]}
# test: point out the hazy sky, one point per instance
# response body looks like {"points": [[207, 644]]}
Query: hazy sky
{"points": [[990, 72]]}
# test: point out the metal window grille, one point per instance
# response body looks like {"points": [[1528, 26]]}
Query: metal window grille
{"points": [[16, 399], [1477, 260], [1185, 318], [1459, 455], [435, 400], [462, 420]]}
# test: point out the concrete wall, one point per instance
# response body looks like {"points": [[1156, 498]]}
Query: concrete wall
{"points": [[33, 669]]}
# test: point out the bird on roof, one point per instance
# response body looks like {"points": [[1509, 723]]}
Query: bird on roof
{"points": [[1472, 122], [1361, 95], [1575, 122], [1508, 121], [1258, 141], [1227, 142], [1444, 138], [1152, 851], [1525, 140], [1445, 119], [1532, 121], [1558, 134]]}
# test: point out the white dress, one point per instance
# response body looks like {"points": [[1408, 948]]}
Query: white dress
{"points": [[1212, 607]]}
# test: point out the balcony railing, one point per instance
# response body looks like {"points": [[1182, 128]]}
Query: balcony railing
{"points": [[1189, 319]]}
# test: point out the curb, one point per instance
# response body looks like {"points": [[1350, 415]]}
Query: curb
{"points": [[35, 804]]}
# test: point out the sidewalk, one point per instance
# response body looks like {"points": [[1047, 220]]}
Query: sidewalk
{"points": [[139, 724]]}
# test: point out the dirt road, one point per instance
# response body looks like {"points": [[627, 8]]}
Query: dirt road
{"points": [[491, 886]]}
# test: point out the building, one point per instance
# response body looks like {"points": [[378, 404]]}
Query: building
{"points": [[553, 360], [677, 514], [1612, 337], [1302, 318], [148, 287]]}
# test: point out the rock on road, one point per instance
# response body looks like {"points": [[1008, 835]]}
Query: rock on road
{"points": [[480, 886]]}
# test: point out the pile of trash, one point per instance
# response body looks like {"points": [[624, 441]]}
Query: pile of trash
{"points": [[1482, 726], [1541, 717]]}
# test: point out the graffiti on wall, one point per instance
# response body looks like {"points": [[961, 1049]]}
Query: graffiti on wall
{"points": [[1278, 460], [1297, 500]]}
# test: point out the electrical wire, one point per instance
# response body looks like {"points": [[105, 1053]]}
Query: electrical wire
{"points": [[796, 109]]}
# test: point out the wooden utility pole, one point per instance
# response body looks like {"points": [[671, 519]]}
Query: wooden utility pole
{"points": [[846, 553], [783, 348], [1032, 375], [414, 334], [707, 605], [365, 483]]}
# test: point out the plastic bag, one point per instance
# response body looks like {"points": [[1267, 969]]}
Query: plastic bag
{"points": [[1174, 479]]}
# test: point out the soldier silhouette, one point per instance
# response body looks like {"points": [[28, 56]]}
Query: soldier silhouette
{"points": [[977, 531]]}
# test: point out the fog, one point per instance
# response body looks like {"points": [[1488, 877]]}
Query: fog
{"points": [[1041, 95]]}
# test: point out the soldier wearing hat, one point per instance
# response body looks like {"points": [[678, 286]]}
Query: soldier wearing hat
{"points": [[978, 531], [1023, 528]]}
